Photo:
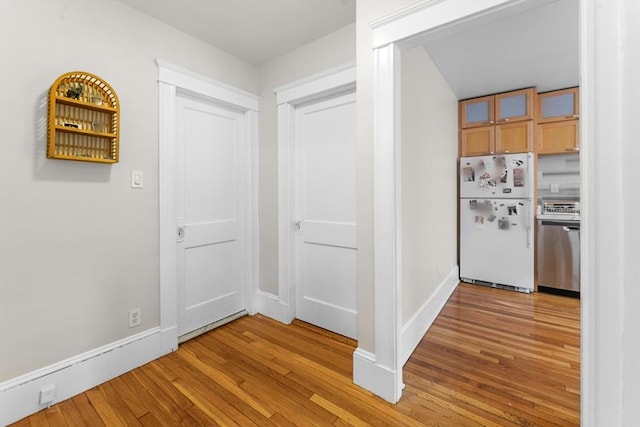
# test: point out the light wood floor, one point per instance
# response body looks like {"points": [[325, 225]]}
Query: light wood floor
{"points": [[492, 358]]}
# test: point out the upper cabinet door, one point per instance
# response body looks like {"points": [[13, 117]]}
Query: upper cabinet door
{"points": [[558, 105], [514, 106], [476, 112]]}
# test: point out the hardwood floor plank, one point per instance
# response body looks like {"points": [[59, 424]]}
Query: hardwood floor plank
{"points": [[491, 358], [227, 402], [107, 413]]}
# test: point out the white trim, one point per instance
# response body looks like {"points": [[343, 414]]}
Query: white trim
{"points": [[385, 211], [339, 79], [172, 81], [272, 306], [417, 326], [430, 15], [19, 397], [177, 76], [588, 325], [315, 87], [372, 376]]}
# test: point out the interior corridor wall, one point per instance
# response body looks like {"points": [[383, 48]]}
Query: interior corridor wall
{"points": [[79, 247], [429, 150]]}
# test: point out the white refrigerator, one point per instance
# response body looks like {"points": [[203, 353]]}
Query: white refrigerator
{"points": [[497, 220]]}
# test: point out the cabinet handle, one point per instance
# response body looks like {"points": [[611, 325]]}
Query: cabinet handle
{"points": [[574, 116], [573, 149]]}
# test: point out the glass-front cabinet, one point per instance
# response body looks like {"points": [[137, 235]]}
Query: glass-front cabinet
{"points": [[514, 106], [558, 105], [476, 112]]}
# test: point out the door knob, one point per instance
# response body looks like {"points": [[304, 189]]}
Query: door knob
{"points": [[180, 232]]}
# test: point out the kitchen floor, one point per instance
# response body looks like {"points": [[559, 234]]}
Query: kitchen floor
{"points": [[497, 357]]}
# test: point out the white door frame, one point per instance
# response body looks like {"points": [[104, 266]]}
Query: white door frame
{"points": [[174, 80], [315, 87], [391, 34]]}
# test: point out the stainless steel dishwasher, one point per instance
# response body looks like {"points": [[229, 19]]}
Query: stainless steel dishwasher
{"points": [[559, 256]]}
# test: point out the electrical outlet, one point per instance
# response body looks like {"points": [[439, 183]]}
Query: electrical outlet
{"points": [[47, 394], [135, 317]]}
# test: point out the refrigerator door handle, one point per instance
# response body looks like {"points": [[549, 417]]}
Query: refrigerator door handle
{"points": [[529, 224]]}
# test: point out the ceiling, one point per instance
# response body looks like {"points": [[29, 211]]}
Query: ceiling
{"points": [[534, 43], [538, 47], [255, 31]]}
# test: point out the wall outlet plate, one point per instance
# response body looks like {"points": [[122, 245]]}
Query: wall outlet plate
{"points": [[135, 317]]}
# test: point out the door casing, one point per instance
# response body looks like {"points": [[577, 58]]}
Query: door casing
{"points": [[174, 80], [334, 81]]}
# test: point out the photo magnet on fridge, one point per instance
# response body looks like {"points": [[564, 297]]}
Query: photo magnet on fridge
{"points": [[503, 177], [473, 204], [518, 177], [468, 173], [503, 224]]}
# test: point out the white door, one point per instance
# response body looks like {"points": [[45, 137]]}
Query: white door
{"points": [[209, 213], [325, 210]]}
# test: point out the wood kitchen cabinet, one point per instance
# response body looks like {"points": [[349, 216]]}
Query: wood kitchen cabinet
{"points": [[558, 137], [494, 109], [514, 106], [557, 118], [501, 139], [477, 112], [501, 123], [477, 141], [558, 105]]}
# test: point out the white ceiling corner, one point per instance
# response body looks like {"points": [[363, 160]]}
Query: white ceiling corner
{"points": [[255, 31]]}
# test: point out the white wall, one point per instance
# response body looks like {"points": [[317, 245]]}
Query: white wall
{"points": [[429, 148], [366, 12], [79, 248], [333, 50]]}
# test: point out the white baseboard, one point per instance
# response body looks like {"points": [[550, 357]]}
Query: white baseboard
{"points": [[20, 397], [270, 306], [377, 379], [418, 325]]}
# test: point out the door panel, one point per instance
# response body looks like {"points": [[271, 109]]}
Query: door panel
{"points": [[210, 253], [326, 206]]}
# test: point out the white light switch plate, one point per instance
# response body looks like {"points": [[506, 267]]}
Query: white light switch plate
{"points": [[137, 180]]}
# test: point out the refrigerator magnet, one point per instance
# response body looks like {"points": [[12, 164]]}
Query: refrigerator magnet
{"points": [[479, 220], [503, 177], [483, 180], [503, 224], [468, 174], [491, 218], [518, 177], [512, 210], [473, 204]]}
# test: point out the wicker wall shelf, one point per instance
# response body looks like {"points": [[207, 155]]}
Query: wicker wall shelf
{"points": [[84, 119]]}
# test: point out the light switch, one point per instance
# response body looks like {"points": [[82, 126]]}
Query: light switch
{"points": [[137, 179]]}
